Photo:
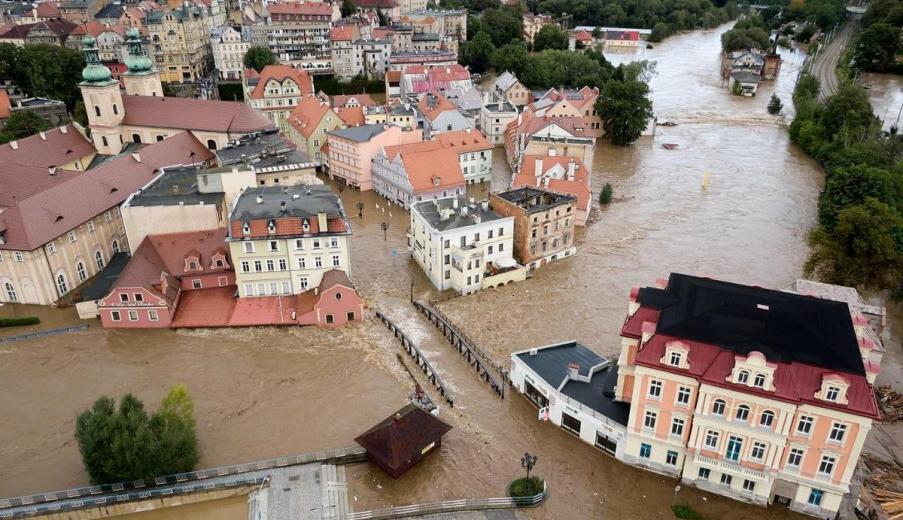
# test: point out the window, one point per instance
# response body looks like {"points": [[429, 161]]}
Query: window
{"points": [[350, 316], [51, 248], [718, 407], [115, 109], [18, 256], [10, 292], [195, 284], [299, 244], [258, 266], [704, 473], [72, 236], [804, 426], [283, 264], [838, 431], [743, 377], [333, 242], [302, 282], [832, 394], [649, 420], [133, 315], [115, 316], [302, 264], [271, 265], [815, 497], [826, 466], [571, 424], [675, 359], [152, 315], [490, 250], [246, 230], [759, 381], [726, 479], [749, 485], [274, 245], [96, 110], [734, 445], [248, 247], [645, 451], [766, 418], [139, 297], [742, 412], [245, 266], [683, 395], [501, 247], [796, 457], [318, 262], [316, 243], [136, 138], [655, 389], [123, 297], [61, 284], [758, 451], [711, 439], [286, 288], [80, 270], [249, 289], [671, 458], [116, 246], [103, 139], [677, 426], [335, 260]]}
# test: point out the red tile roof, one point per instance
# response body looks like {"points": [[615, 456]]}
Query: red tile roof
{"points": [[48, 10], [579, 187], [342, 33], [193, 114], [464, 141], [351, 116], [426, 163], [4, 104], [54, 211], [372, 4], [90, 28], [307, 114], [306, 8], [381, 33], [280, 73], [433, 103], [363, 100], [583, 36]]}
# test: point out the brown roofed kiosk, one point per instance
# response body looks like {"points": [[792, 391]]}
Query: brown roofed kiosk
{"points": [[398, 442]]}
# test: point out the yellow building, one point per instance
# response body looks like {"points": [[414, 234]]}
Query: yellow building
{"points": [[308, 124], [181, 43]]}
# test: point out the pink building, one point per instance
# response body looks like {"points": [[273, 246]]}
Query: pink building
{"points": [[351, 150], [566, 175], [147, 293], [332, 304]]}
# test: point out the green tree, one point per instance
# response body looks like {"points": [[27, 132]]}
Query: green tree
{"points": [[478, 52], [605, 194], [259, 57], [503, 25], [22, 124], [348, 8], [511, 57], [121, 444], [550, 36], [853, 185], [876, 48], [474, 26], [741, 39], [43, 70], [774, 105], [624, 104]]}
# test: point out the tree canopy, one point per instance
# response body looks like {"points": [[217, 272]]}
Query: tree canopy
{"points": [[748, 33], [554, 68], [43, 70], [550, 36], [22, 124], [511, 57], [259, 57], [877, 47], [503, 24], [624, 103], [123, 443], [478, 52]]}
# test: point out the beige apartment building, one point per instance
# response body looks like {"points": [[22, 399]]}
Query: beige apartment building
{"points": [[277, 90], [181, 41], [544, 223]]}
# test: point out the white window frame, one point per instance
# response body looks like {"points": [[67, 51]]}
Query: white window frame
{"points": [[683, 391], [650, 418], [152, 315], [655, 389]]}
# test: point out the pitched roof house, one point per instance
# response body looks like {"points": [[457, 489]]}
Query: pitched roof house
{"points": [[561, 174], [331, 304], [399, 442]]}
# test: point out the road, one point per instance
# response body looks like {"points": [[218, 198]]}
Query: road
{"points": [[825, 65]]}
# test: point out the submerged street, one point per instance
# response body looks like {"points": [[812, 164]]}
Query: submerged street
{"points": [[267, 392]]}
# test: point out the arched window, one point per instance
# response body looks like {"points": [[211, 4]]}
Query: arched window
{"points": [[338, 295], [103, 139], [136, 138], [10, 292], [211, 144], [61, 284], [759, 381], [767, 418], [742, 412], [97, 110], [159, 138], [115, 109], [718, 407], [80, 269], [98, 257], [116, 246], [743, 377]]}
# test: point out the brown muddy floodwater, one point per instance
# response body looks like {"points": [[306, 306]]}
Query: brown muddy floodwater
{"points": [[886, 93], [266, 392]]}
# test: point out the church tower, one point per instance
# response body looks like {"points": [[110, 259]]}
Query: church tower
{"points": [[141, 79], [103, 101]]}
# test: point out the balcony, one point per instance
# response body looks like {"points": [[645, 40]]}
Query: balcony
{"points": [[730, 467], [502, 273]]}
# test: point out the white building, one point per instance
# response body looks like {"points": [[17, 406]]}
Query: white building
{"points": [[371, 57], [494, 118], [463, 246], [229, 50], [574, 389]]}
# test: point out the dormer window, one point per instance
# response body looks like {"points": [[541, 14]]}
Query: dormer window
{"points": [[743, 377], [677, 354], [675, 359], [832, 394], [246, 228], [305, 226], [834, 389], [271, 226], [759, 381]]}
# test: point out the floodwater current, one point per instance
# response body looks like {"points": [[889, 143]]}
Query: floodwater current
{"points": [[262, 393]]}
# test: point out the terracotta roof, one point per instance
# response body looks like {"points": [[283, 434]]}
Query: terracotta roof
{"points": [[280, 73], [427, 162], [4, 104], [433, 103], [308, 8], [464, 141], [579, 187], [363, 99], [381, 33], [371, 4], [401, 437], [192, 114], [90, 28], [393, 76], [54, 211], [335, 277], [352, 116], [342, 33], [583, 36], [48, 10], [307, 114]]}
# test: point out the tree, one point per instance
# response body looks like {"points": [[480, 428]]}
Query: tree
{"points": [[624, 104], [22, 124], [748, 38], [511, 57], [474, 26], [122, 444], [597, 33], [259, 57], [478, 52], [775, 106], [348, 8], [550, 36], [876, 48], [43, 70], [503, 25], [606, 193], [853, 185]]}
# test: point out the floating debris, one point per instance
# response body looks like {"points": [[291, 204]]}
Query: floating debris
{"points": [[669, 146], [667, 123], [891, 404]]}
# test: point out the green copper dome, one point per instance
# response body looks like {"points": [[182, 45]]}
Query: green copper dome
{"points": [[94, 71], [137, 60]]}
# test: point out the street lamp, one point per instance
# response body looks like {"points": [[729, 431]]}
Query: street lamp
{"points": [[385, 227], [528, 461], [360, 210]]}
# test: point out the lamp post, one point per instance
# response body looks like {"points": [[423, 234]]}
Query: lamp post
{"points": [[360, 209], [385, 227], [528, 461]]}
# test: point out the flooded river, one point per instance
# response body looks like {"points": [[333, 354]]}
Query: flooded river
{"points": [[266, 392]]}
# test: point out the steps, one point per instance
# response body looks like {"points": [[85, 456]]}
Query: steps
{"points": [[334, 489]]}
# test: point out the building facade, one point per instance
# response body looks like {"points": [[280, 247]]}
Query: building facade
{"points": [[181, 42], [229, 48], [297, 33], [418, 171], [277, 90], [351, 150], [283, 239], [561, 174], [495, 116], [543, 224]]}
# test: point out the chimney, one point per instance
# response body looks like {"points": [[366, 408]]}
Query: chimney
{"points": [[573, 370], [282, 207], [43, 136], [137, 157], [322, 222], [485, 205], [537, 171], [14, 145], [259, 199], [572, 169], [52, 170]]}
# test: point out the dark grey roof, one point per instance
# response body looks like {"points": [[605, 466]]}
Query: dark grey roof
{"points": [[176, 186], [261, 150], [745, 77], [551, 364], [39, 101], [300, 201], [430, 210], [102, 283], [535, 199], [426, 37], [499, 106], [783, 326], [110, 11], [360, 134]]}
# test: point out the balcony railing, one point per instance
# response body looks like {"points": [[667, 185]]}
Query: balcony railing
{"points": [[730, 466]]}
